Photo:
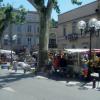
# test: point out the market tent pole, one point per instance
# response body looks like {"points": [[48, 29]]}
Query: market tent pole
{"points": [[78, 59]]}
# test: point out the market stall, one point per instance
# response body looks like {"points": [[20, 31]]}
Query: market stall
{"points": [[81, 56]]}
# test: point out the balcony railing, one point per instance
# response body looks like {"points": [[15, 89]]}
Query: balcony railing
{"points": [[76, 36], [72, 37]]}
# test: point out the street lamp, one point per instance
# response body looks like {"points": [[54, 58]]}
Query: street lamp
{"points": [[97, 27], [94, 25], [81, 25]]}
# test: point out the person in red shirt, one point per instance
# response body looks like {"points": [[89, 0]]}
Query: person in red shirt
{"points": [[56, 62]]}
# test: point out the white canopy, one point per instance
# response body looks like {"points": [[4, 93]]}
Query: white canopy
{"points": [[76, 50], [6, 51], [81, 50]]}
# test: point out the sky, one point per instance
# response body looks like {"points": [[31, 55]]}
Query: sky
{"points": [[65, 5]]}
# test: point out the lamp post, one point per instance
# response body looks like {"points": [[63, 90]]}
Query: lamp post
{"points": [[94, 25]]}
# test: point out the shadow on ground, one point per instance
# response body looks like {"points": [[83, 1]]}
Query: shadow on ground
{"points": [[12, 77], [72, 81]]}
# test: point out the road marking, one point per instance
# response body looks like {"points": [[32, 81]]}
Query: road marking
{"points": [[8, 89]]}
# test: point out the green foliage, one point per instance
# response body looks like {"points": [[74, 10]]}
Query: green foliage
{"points": [[56, 6], [5, 16], [78, 2], [39, 2], [51, 4], [9, 15], [53, 23], [15, 16], [1, 0], [19, 15], [8, 12]]}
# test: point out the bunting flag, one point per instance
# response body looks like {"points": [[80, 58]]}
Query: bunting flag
{"points": [[76, 2]]}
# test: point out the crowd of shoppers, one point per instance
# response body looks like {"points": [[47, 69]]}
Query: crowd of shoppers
{"points": [[59, 63]]}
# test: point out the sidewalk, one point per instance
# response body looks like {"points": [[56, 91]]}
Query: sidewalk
{"points": [[82, 85], [4, 72], [70, 83]]}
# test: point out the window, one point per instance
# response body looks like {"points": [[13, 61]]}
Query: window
{"points": [[38, 29], [74, 26], [29, 40], [19, 40], [13, 41], [85, 47], [34, 29], [73, 46], [53, 35], [6, 42], [85, 44], [29, 28], [19, 29], [52, 43], [64, 31]]}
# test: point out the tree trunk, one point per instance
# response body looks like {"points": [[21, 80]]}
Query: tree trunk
{"points": [[43, 40], [0, 43]]}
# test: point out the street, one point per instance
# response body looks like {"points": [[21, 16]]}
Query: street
{"points": [[19, 86]]}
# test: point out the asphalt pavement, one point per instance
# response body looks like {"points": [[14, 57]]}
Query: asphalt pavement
{"points": [[20, 86]]}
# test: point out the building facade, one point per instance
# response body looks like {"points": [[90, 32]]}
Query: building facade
{"points": [[53, 38], [26, 35], [68, 34], [22, 35]]}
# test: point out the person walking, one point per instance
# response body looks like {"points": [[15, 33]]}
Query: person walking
{"points": [[63, 65], [56, 62], [15, 64]]}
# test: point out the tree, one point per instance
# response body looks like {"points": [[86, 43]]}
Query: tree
{"points": [[45, 10], [8, 16], [53, 23]]}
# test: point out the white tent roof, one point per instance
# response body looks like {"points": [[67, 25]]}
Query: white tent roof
{"points": [[76, 50], [81, 50], [6, 51]]}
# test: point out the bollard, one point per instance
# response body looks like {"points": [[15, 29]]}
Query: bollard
{"points": [[94, 83]]}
